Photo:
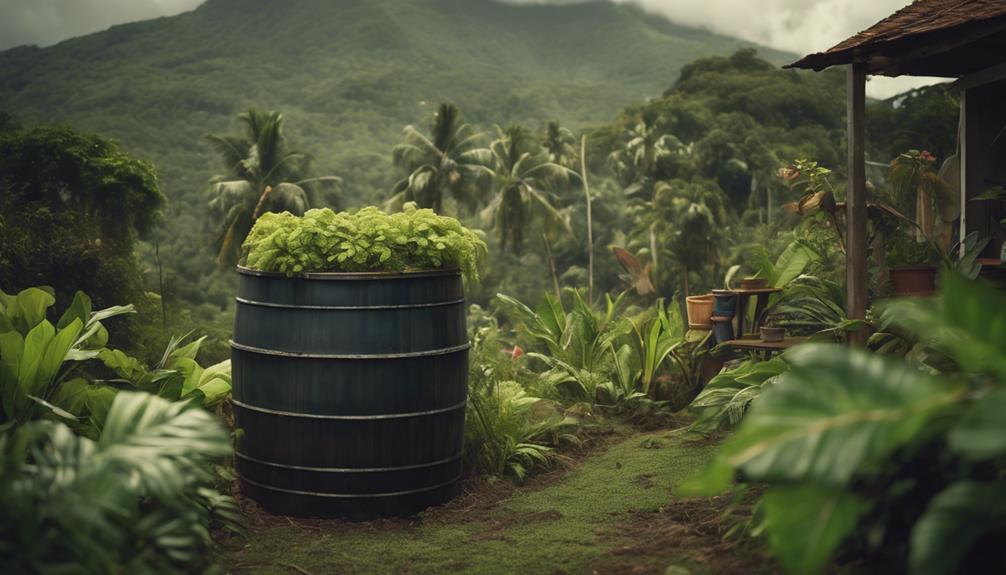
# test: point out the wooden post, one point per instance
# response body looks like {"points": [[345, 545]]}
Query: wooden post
{"points": [[855, 258]]}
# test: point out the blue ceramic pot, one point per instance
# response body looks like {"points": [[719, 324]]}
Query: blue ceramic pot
{"points": [[725, 304]]}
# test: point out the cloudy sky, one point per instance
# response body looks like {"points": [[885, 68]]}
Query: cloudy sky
{"points": [[799, 26]]}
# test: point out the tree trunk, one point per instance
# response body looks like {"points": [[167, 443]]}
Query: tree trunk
{"points": [[590, 223], [653, 250], [551, 265], [769, 203], [160, 283]]}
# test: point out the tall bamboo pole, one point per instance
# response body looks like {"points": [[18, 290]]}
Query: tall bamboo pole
{"points": [[590, 223], [551, 265]]}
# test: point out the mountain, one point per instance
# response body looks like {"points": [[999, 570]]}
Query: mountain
{"points": [[347, 74]]}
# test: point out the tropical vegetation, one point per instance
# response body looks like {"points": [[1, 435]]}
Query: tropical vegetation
{"points": [[367, 240], [897, 460], [115, 428]]}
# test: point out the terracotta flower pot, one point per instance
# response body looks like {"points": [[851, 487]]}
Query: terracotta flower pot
{"points": [[913, 281], [754, 283], [700, 310]]}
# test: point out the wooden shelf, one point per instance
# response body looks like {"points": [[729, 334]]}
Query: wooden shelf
{"points": [[758, 291], [759, 345]]}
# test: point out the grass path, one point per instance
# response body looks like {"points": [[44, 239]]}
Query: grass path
{"points": [[612, 513]]}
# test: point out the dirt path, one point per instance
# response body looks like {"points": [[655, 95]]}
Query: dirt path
{"points": [[612, 513]]}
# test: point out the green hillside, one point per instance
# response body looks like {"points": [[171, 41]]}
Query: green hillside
{"points": [[347, 74]]}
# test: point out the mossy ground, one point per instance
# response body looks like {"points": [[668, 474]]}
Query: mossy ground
{"points": [[614, 512]]}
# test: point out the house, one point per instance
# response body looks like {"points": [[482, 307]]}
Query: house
{"points": [[960, 39]]}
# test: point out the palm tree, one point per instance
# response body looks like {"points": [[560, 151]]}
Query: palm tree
{"points": [[447, 162], [636, 163], [262, 176], [523, 176], [688, 216], [560, 145]]}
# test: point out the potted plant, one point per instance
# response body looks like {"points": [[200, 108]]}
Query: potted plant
{"points": [[911, 266], [350, 331], [700, 311], [918, 190]]}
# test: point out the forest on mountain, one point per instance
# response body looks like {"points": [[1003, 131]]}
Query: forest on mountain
{"points": [[723, 128]]}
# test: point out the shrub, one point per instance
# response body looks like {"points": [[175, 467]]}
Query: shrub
{"points": [[367, 240], [137, 500], [507, 431], [879, 456], [57, 371]]}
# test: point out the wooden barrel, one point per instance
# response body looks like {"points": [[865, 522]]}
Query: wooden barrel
{"points": [[349, 391]]}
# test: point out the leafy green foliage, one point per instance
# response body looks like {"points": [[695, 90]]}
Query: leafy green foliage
{"points": [[53, 371], [37, 359], [177, 376], [652, 340], [139, 499], [507, 431], [73, 205], [367, 240], [874, 453], [924, 119], [726, 398], [809, 305], [578, 341]]}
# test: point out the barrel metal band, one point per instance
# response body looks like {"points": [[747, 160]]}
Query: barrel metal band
{"points": [[350, 307], [350, 417], [342, 276], [348, 469], [347, 495], [427, 353]]}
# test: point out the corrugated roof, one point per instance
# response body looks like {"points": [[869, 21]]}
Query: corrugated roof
{"points": [[921, 21]]}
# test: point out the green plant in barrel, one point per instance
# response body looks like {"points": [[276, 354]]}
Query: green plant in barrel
{"points": [[366, 240]]}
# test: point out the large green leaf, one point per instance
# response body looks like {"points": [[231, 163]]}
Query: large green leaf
{"points": [[836, 413], [150, 435], [977, 315], [968, 323], [56, 353], [80, 309], [791, 263], [35, 343], [981, 432], [139, 502], [953, 524], [807, 523], [125, 366], [28, 308], [726, 397], [11, 350]]}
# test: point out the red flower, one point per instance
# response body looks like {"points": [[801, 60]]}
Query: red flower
{"points": [[517, 352], [927, 156]]}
